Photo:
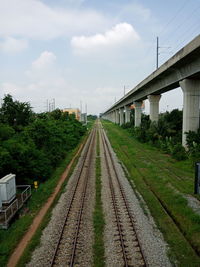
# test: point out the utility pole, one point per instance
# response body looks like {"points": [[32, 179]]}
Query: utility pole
{"points": [[47, 105], [157, 51], [86, 113], [81, 106], [125, 86], [50, 104]]}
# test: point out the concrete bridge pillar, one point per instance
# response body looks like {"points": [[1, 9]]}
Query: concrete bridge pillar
{"points": [[138, 113], [121, 115], [154, 106], [117, 116], [113, 116], [191, 100], [127, 114]]}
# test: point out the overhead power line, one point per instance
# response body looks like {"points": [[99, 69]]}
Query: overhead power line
{"points": [[175, 15], [180, 25], [167, 24]]}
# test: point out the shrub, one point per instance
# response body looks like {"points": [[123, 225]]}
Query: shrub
{"points": [[178, 152], [126, 125], [193, 144], [166, 133]]}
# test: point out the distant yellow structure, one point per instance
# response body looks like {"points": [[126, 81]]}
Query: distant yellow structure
{"points": [[74, 111]]}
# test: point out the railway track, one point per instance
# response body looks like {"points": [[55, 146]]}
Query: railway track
{"points": [[69, 244], [68, 239], [127, 239]]}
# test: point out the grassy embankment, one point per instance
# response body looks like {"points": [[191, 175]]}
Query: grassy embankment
{"points": [[11, 237], [163, 182], [98, 217]]}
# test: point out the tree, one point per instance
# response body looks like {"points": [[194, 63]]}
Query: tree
{"points": [[15, 113], [32, 145]]}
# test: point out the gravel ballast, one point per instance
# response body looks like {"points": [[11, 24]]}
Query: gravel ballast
{"points": [[151, 241], [153, 246], [43, 254]]}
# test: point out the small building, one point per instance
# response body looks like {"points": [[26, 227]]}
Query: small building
{"points": [[12, 198], [74, 111], [7, 188]]}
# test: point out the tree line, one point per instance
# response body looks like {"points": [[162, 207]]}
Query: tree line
{"points": [[166, 134], [32, 145]]}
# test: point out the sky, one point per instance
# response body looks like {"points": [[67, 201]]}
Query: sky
{"points": [[85, 52]]}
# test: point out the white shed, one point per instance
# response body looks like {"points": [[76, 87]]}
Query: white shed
{"points": [[8, 188]]}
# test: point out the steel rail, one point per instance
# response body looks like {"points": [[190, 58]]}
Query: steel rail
{"points": [[119, 226], [81, 208], [105, 144], [88, 147]]}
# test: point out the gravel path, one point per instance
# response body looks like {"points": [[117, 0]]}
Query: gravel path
{"points": [[42, 255], [151, 240]]}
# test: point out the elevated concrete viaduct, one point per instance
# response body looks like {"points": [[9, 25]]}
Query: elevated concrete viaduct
{"points": [[181, 70]]}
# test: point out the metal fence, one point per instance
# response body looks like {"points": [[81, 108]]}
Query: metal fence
{"points": [[8, 211]]}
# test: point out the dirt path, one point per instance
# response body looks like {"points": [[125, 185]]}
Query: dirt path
{"points": [[14, 258]]}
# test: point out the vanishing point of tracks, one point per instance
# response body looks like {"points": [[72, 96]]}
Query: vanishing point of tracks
{"points": [[127, 237], [67, 246]]}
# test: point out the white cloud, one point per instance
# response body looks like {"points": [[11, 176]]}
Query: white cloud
{"points": [[45, 60], [13, 45], [44, 71], [119, 34], [36, 20]]}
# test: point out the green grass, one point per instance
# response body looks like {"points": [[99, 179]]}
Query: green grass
{"points": [[98, 216], [162, 181], [90, 124], [11, 237]]}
